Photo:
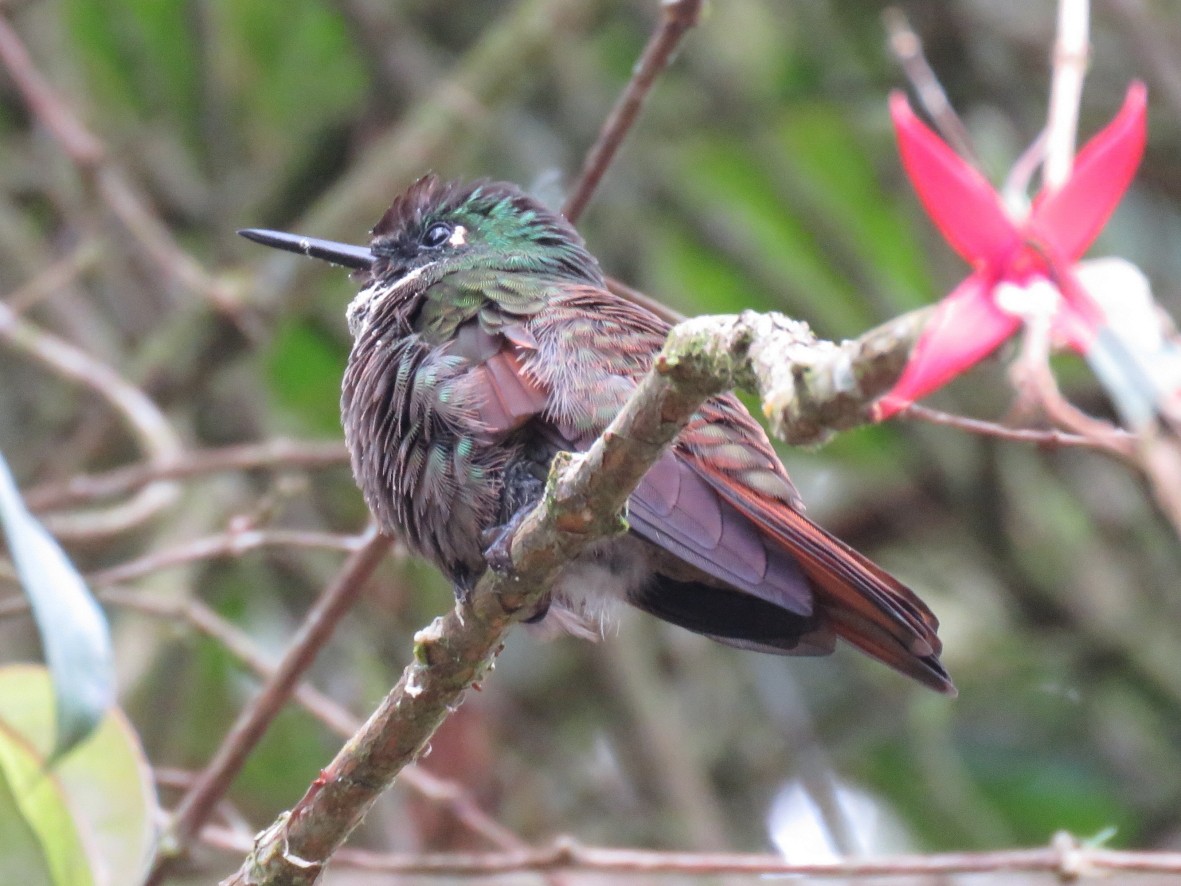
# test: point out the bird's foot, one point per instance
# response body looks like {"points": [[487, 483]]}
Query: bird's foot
{"points": [[498, 552], [463, 587]]}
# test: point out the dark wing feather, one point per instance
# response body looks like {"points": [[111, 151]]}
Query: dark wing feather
{"points": [[721, 501], [868, 607], [676, 508]]}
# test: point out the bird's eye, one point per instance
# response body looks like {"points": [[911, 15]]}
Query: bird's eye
{"points": [[436, 235]]}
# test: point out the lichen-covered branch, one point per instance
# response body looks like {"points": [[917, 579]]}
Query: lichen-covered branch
{"points": [[808, 388]]}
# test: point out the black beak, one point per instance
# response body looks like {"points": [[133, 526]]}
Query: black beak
{"points": [[355, 257]]}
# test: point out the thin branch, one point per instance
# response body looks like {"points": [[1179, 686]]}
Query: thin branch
{"points": [[82, 146], [907, 48], [87, 152], [1035, 383], [1051, 437], [826, 385], [276, 453], [1071, 51], [195, 807], [156, 436], [677, 18], [194, 614], [199, 617], [1064, 858], [1015, 188], [226, 544], [56, 276]]}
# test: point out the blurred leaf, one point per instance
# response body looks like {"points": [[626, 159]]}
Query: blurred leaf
{"points": [[300, 57], [40, 803], [73, 630], [828, 152], [21, 858], [305, 366], [1040, 793], [694, 279], [95, 810], [135, 53], [290, 67], [730, 195]]}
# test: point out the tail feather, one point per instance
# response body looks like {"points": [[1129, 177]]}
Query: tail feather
{"points": [[866, 605]]}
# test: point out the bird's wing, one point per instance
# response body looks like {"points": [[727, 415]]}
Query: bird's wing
{"points": [[865, 604], [719, 499]]}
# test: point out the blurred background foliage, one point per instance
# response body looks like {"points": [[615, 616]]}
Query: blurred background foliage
{"points": [[763, 174]]}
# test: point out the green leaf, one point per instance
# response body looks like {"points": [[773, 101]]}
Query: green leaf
{"points": [[95, 811], [21, 858], [304, 366], [833, 164], [73, 630], [40, 802]]}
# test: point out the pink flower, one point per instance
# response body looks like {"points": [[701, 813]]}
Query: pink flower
{"points": [[1010, 257]]}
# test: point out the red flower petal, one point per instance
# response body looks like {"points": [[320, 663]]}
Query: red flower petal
{"points": [[959, 199], [965, 328], [1072, 216]]}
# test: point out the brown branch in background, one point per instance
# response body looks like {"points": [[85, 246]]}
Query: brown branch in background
{"points": [[182, 780], [275, 453], [1037, 388], [508, 51], [90, 156], [149, 425], [226, 544], [677, 17], [1156, 454], [76, 140], [908, 50], [57, 276], [1065, 858], [660, 309], [200, 618], [194, 808], [1050, 437]]}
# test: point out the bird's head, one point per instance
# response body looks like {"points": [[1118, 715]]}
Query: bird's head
{"points": [[438, 228]]}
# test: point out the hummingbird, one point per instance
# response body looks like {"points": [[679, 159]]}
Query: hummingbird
{"points": [[485, 341]]}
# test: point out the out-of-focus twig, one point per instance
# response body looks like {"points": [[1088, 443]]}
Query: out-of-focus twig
{"points": [[1071, 51], [660, 309], [1036, 386], [276, 453], [57, 276], [1065, 858], [1015, 189], [1153, 39], [159, 441], [194, 808], [908, 49], [677, 18], [200, 618], [227, 544], [1119, 442], [90, 156]]}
